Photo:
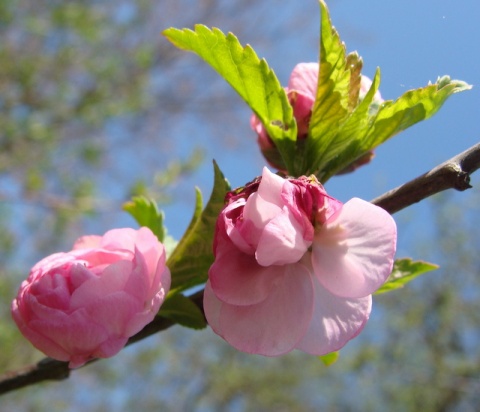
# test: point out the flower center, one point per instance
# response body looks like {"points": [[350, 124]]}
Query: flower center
{"points": [[333, 235]]}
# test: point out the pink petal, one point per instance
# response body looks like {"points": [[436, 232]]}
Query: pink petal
{"points": [[31, 308], [212, 307], [236, 278], [75, 333], [264, 204], [113, 279], [260, 210], [57, 295], [110, 347], [151, 249], [123, 238], [141, 319], [272, 327], [139, 281], [352, 254], [160, 282], [114, 311], [36, 337], [59, 262], [87, 242], [302, 110], [281, 241], [160, 285], [79, 274], [99, 257], [304, 78], [242, 232], [335, 321], [263, 140], [165, 277]]}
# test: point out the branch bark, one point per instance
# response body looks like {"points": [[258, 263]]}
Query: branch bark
{"points": [[452, 174]]}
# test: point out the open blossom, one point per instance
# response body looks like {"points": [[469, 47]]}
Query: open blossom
{"points": [[86, 303], [301, 92], [295, 268]]}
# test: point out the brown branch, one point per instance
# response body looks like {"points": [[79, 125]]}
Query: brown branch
{"points": [[50, 369], [452, 174]]}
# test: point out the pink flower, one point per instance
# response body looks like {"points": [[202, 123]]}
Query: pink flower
{"points": [[86, 303], [301, 92], [295, 268]]}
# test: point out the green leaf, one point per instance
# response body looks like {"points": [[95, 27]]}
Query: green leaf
{"points": [[197, 212], [193, 256], [183, 311], [348, 139], [391, 118], [335, 95], [355, 64], [330, 358], [249, 76], [343, 128], [410, 108], [405, 270], [146, 213]]}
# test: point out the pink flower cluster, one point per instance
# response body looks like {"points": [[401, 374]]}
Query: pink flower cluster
{"points": [[301, 92], [86, 303], [295, 268]]}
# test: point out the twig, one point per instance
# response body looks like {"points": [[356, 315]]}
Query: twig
{"points": [[452, 174]]}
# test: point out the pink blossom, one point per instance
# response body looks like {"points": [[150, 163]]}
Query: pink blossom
{"points": [[294, 268], [301, 92], [86, 303]]}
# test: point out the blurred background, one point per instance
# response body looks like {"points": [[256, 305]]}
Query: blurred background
{"points": [[96, 106]]}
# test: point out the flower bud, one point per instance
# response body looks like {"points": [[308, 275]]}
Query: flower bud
{"points": [[301, 92], [86, 303]]}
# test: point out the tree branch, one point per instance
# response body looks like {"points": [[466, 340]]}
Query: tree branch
{"points": [[452, 174]]}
